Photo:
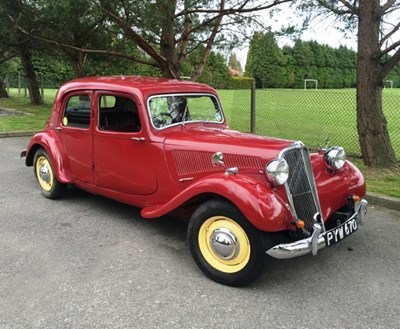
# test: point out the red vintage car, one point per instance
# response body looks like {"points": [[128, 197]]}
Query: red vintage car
{"points": [[164, 146]]}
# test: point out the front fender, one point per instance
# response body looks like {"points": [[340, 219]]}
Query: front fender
{"points": [[335, 187], [256, 200], [49, 140]]}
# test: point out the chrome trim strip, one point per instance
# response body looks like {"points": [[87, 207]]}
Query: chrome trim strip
{"points": [[363, 211], [315, 242], [186, 179], [315, 238]]}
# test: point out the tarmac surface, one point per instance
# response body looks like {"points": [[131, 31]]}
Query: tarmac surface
{"points": [[88, 262]]}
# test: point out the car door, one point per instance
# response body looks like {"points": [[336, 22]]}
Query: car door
{"points": [[122, 152], [75, 130]]}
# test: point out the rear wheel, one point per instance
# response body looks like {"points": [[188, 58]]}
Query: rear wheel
{"points": [[225, 246], [49, 185]]}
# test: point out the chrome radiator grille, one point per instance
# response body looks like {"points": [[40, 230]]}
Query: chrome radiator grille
{"points": [[300, 186]]}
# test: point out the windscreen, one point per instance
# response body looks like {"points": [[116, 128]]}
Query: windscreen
{"points": [[168, 110]]}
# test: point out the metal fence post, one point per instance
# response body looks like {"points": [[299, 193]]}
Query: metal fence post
{"points": [[19, 84], [253, 108], [41, 85]]}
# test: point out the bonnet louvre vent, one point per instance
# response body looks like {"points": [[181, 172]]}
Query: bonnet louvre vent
{"points": [[194, 162]]}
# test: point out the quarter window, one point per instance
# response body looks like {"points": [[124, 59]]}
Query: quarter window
{"points": [[118, 113], [77, 112]]}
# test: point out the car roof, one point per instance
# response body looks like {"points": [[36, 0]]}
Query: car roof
{"points": [[146, 85]]}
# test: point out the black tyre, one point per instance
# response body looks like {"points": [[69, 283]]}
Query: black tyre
{"points": [[226, 247], [49, 185]]}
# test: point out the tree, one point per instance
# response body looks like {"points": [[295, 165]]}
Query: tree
{"points": [[347, 63], [304, 59], [377, 28], [290, 67], [265, 60], [165, 32], [5, 55], [234, 63], [20, 44]]}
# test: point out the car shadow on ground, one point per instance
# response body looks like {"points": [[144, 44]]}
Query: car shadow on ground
{"points": [[170, 233], [118, 211]]}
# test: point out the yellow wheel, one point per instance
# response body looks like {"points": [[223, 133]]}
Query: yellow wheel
{"points": [[225, 246], [48, 183], [44, 173]]}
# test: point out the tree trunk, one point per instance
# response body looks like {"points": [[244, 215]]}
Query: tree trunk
{"points": [[171, 67], [3, 91], [376, 148], [206, 52], [77, 64], [30, 76]]}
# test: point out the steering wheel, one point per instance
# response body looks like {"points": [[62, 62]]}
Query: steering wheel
{"points": [[159, 122]]}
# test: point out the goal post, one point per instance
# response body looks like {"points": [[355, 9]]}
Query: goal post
{"points": [[389, 83], [315, 81]]}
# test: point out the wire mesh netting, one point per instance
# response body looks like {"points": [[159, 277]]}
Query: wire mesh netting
{"points": [[316, 117]]}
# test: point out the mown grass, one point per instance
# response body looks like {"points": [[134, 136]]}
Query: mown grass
{"points": [[382, 181], [310, 116], [35, 115]]}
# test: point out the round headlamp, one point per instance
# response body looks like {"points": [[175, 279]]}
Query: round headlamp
{"points": [[277, 171], [335, 157]]}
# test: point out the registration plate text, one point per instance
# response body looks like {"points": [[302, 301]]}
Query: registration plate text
{"points": [[339, 233]]}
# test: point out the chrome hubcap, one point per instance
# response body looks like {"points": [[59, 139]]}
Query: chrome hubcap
{"points": [[44, 173], [224, 244]]}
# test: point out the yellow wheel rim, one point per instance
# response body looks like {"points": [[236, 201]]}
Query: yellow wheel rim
{"points": [[224, 244], [44, 173]]}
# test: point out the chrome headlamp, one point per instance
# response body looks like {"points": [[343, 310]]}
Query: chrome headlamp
{"points": [[277, 171], [335, 157]]}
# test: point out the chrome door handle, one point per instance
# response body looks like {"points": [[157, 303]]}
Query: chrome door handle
{"points": [[138, 139]]}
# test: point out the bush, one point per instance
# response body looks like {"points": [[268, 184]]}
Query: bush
{"points": [[241, 83]]}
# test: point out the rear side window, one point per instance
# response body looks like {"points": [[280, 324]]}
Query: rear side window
{"points": [[77, 112], [118, 113]]}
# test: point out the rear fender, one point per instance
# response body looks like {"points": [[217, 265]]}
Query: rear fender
{"points": [[50, 142], [255, 199]]}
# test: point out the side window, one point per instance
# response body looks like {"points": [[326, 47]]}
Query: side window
{"points": [[118, 113], [77, 112]]}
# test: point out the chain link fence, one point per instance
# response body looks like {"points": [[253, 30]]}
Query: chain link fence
{"points": [[315, 117], [18, 81]]}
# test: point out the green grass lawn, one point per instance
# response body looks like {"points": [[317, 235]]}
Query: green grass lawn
{"points": [[35, 115], [307, 115]]}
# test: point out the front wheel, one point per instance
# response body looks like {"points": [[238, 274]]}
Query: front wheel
{"points": [[225, 246], [49, 185]]}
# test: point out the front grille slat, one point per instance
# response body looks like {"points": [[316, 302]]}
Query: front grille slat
{"points": [[300, 185]]}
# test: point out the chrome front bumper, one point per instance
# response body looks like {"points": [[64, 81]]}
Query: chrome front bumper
{"points": [[315, 242]]}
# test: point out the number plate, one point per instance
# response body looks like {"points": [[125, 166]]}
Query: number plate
{"points": [[340, 232]]}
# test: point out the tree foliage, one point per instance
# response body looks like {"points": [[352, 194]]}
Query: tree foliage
{"points": [[273, 67], [266, 61], [16, 43], [234, 63], [163, 35]]}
